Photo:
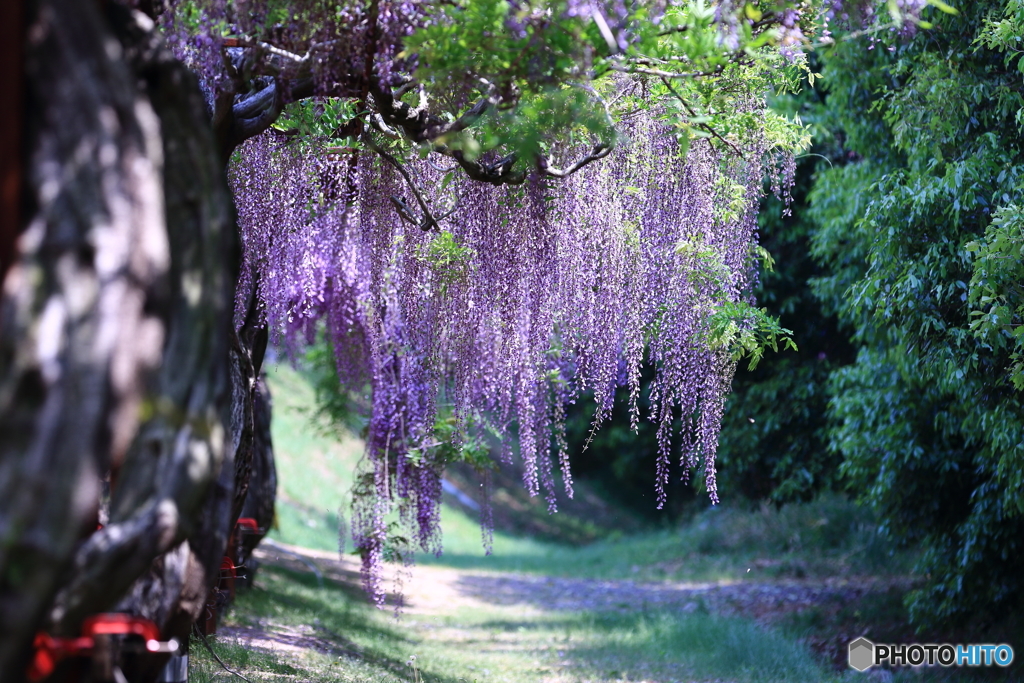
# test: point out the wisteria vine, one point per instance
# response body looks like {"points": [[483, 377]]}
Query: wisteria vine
{"points": [[525, 298], [469, 287]]}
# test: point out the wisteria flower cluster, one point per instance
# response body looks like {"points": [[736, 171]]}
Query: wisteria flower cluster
{"points": [[508, 271], [521, 300]]}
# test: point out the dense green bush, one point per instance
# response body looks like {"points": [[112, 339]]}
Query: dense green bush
{"points": [[929, 426]]}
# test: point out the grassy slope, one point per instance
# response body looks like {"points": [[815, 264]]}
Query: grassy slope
{"points": [[314, 470], [827, 538], [830, 537]]}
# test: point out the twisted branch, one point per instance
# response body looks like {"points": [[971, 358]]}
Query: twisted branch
{"points": [[429, 222], [702, 126]]}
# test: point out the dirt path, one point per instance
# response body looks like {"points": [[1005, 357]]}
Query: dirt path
{"points": [[433, 593], [430, 590]]}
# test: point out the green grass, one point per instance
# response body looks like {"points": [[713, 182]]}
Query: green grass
{"points": [[203, 668], [497, 645], [828, 537], [704, 646], [314, 466], [504, 644]]}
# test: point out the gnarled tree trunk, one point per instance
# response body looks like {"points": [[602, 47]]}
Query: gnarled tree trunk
{"points": [[259, 501], [84, 308], [116, 348]]}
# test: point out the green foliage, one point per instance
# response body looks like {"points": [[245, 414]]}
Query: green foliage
{"points": [[562, 82], [1005, 34], [338, 408], [774, 441], [447, 259], [741, 330], [929, 429], [450, 447], [746, 332], [996, 291], [321, 120]]}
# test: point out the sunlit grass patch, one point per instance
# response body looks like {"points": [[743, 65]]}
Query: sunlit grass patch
{"points": [[345, 639], [258, 666], [266, 667], [495, 644], [672, 646], [314, 464], [657, 646], [342, 638]]}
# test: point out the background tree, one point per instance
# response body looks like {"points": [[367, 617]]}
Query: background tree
{"points": [[927, 419]]}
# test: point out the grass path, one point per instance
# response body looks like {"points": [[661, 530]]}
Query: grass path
{"points": [[469, 625], [436, 590], [665, 606], [728, 596]]}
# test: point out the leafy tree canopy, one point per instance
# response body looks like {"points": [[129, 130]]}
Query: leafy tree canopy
{"points": [[921, 240]]}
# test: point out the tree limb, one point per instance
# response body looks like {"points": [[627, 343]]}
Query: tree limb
{"points": [[421, 126], [429, 222], [702, 126], [240, 117], [253, 113], [600, 151]]}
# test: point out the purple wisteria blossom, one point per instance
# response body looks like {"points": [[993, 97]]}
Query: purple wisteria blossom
{"points": [[525, 298]]}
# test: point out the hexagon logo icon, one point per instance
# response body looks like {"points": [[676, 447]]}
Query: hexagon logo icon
{"points": [[862, 654]]}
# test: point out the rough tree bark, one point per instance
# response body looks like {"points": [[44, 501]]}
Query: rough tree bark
{"points": [[173, 591], [115, 338], [83, 305], [259, 501], [177, 453]]}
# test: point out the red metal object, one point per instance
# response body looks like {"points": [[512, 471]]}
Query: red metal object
{"points": [[228, 574], [118, 624], [49, 650], [228, 565], [224, 591], [248, 524]]}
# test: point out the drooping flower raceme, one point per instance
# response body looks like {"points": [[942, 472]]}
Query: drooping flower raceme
{"points": [[525, 297]]}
